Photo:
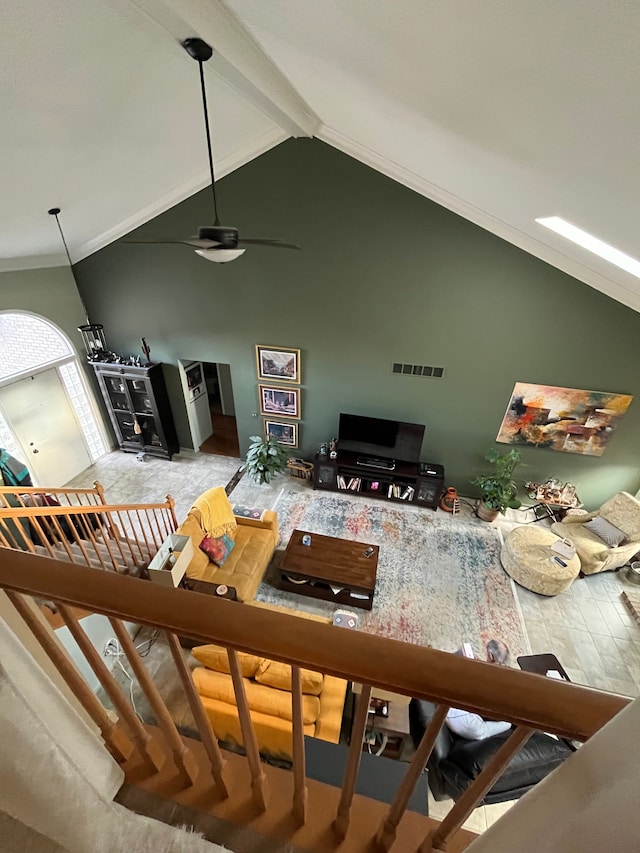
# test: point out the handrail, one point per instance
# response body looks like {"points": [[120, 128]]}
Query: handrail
{"points": [[84, 509], [39, 490], [524, 699]]}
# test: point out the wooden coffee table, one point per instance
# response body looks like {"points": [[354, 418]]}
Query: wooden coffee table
{"points": [[329, 564]]}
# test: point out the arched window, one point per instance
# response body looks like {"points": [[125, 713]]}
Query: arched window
{"points": [[29, 343]]}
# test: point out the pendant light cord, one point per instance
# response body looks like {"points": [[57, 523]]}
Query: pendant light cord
{"points": [[209, 148], [54, 212]]}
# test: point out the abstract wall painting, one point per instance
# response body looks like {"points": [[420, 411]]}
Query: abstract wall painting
{"points": [[565, 419]]}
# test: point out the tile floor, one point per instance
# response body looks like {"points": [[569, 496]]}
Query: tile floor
{"points": [[587, 627]]}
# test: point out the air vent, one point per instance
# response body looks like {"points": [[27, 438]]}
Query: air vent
{"points": [[425, 370]]}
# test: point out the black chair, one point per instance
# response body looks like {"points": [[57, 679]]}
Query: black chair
{"points": [[455, 761]]}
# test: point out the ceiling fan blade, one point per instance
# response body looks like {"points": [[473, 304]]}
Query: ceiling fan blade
{"points": [[194, 242], [276, 244]]}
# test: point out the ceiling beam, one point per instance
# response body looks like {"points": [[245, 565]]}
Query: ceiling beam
{"points": [[237, 57]]}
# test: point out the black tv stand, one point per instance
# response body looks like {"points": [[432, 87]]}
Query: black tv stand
{"points": [[373, 462], [402, 481]]}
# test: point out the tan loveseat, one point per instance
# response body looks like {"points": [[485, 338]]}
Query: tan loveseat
{"points": [[268, 689], [254, 543], [623, 512]]}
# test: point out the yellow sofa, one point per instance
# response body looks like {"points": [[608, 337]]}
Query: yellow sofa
{"points": [[268, 688], [254, 543]]}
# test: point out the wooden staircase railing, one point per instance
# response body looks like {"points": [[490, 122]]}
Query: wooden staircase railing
{"points": [[78, 526], [528, 701]]}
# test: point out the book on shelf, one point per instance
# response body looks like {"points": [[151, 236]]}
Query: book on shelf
{"points": [[400, 491], [353, 484]]}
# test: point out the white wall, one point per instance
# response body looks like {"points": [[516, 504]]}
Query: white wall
{"points": [[99, 631]]}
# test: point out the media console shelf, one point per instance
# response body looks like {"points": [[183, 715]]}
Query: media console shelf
{"points": [[403, 483]]}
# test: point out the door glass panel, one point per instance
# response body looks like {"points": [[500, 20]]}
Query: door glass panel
{"points": [[139, 396], [114, 383], [119, 401], [127, 422], [149, 432]]}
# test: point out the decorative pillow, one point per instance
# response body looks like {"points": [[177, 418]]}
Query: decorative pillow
{"points": [[217, 550], [276, 674], [603, 529], [248, 512], [216, 658]]}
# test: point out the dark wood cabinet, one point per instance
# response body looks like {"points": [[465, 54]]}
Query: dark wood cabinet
{"points": [[138, 405], [421, 484]]}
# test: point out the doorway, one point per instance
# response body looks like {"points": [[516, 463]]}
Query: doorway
{"points": [[45, 425], [224, 439]]}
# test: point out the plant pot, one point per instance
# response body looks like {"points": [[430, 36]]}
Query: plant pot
{"points": [[486, 513], [448, 498]]}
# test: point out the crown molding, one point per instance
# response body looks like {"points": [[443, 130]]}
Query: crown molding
{"points": [[539, 249]]}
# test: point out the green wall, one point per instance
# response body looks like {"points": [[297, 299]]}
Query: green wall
{"points": [[50, 293], [385, 275]]}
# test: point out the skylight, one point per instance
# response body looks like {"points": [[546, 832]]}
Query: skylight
{"points": [[591, 243]]}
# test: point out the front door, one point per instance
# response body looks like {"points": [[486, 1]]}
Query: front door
{"points": [[42, 419]]}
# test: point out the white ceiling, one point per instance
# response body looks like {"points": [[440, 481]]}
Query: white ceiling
{"points": [[503, 111]]}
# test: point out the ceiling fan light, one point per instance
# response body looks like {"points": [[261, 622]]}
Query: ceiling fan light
{"points": [[220, 256]]}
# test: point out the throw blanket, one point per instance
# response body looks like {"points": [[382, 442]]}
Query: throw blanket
{"points": [[214, 513]]}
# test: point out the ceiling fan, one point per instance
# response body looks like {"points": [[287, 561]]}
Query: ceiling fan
{"points": [[218, 243]]}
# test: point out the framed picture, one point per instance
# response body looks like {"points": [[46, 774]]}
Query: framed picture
{"points": [[566, 419], [283, 402], [279, 364], [287, 434]]}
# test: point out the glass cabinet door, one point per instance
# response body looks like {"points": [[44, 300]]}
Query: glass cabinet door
{"points": [[150, 435], [117, 393], [126, 423], [140, 396]]}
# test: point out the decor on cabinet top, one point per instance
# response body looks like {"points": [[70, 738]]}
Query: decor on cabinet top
{"points": [[283, 402], [566, 419], [278, 364]]}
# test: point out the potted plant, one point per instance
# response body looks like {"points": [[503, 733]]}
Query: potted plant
{"points": [[498, 488], [265, 458]]}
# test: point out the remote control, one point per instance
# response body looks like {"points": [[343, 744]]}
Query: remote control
{"points": [[561, 562]]}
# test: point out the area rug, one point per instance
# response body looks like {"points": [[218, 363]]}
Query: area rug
{"points": [[439, 582]]}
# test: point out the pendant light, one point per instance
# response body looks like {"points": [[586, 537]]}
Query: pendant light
{"points": [[92, 333]]}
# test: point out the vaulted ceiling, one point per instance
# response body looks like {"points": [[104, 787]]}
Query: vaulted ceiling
{"points": [[501, 111]]}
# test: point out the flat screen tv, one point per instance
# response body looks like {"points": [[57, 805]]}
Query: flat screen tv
{"points": [[380, 438]]}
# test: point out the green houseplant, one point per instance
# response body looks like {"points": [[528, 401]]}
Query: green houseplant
{"points": [[265, 458], [498, 488]]}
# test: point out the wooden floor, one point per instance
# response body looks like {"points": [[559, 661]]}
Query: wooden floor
{"points": [[237, 824], [224, 440]]}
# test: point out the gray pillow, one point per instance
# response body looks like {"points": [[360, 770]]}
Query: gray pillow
{"points": [[609, 533]]}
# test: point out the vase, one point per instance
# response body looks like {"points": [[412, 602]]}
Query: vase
{"points": [[448, 499], [485, 512]]}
